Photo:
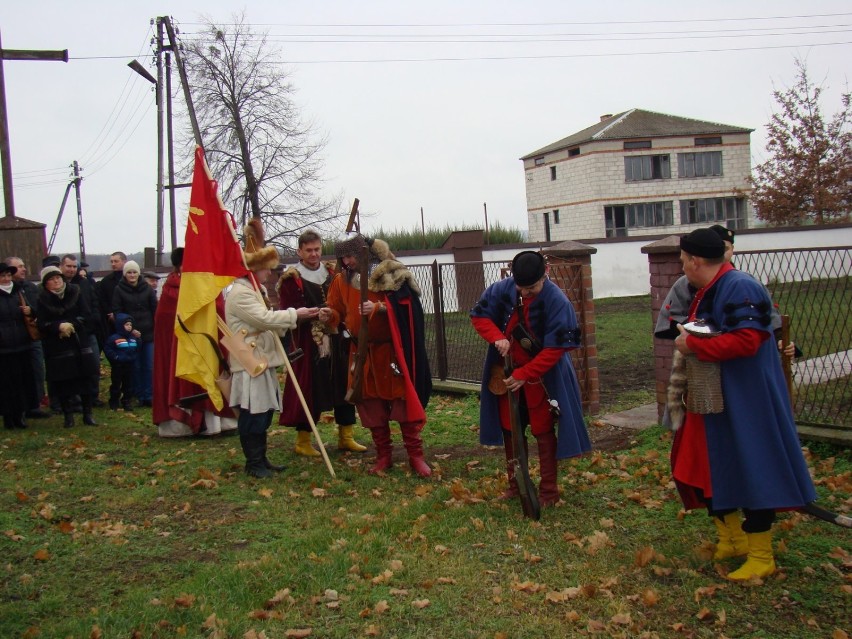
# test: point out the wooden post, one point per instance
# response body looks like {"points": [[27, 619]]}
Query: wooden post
{"points": [[171, 151], [5, 152], [159, 90]]}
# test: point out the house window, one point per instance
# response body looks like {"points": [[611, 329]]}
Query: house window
{"points": [[647, 167], [573, 152], [614, 221], [708, 141], [619, 218], [705, 164], [552, 173], [556, 216], [539, 161], [728, 210], [546, 227], [637, 144]]}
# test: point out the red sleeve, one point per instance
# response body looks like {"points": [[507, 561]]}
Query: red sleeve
{"points": [[740, 343], [487, 329], [539, 364]]}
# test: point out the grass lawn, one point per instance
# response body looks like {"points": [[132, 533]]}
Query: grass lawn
{"points": [[111, 531]]}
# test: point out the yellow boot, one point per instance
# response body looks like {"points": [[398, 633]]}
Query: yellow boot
{"points": [[346, 440], [303, 444], [760, 562], [732, 540]]}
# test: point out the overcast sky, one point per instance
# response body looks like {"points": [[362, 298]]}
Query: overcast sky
{"points": [[425, 104]]}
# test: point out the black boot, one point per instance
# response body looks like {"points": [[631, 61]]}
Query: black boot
{"points": [[253, 445], [88, 418], [268, 464], [67, 411], [20, 422]]}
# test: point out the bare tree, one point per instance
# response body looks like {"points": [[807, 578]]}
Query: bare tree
{"points": [[266, 157], [808, 177]]}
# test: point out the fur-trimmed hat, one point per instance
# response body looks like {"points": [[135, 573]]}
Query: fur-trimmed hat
{"points": [[379, 249], [258, 255]]}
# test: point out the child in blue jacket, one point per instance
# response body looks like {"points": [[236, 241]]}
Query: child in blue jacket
{"points": [[120, 349]]}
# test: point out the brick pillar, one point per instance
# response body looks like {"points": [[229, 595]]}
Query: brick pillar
{"points": [[571, 269], [665, 269]]}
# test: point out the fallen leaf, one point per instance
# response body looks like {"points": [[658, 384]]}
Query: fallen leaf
{"points": [[420, 603], [381, 607], [21, 496], [185, 600], [371, 631], [301, 633], [41, 554], [650, 597], [622, 619], [266, 492], [318, 492], [644, 556], [203, 483], [96, 633]]}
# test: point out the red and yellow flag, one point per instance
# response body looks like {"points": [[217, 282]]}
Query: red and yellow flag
{"points": [[212, 259]]}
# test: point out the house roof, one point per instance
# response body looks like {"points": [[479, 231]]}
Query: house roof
{"points": [[637, 123]]}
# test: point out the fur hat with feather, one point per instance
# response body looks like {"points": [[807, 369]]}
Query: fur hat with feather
{"points": [[258, 255]]}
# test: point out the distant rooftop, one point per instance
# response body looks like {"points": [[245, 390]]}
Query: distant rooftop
{"points": [[637, 123]]}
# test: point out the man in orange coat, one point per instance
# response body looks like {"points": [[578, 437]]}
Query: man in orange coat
{"points": [[396, 381]]}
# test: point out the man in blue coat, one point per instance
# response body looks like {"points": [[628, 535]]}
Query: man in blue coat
{"points": [[738, 447], [549, 394]]}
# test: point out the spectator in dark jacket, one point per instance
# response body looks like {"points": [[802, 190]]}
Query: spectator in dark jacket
{"points": [[105, 289], [30, 290], [134, 297], [121, 349], [62, 313], [17, 392], [68, 266]]}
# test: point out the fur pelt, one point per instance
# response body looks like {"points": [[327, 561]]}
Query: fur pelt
{"points": [[390, 275], [677, 390]]}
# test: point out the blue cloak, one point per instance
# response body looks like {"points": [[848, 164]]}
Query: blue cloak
{"points": [[755, 456], [553, 322]]}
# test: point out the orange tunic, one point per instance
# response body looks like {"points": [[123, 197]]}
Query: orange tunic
{"points": [[383, 376]]}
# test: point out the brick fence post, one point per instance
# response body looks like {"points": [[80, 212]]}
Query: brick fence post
{"points": [[571, 269], [665, 269]]}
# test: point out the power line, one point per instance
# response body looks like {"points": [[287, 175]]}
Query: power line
{"points": [[529, 24]]}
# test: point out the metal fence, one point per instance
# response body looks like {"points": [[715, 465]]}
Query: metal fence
{"points": [[812, 286]]}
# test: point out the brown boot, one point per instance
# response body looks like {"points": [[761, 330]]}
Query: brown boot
{"points": [[548, 490], [384, 449], [414, 447]]}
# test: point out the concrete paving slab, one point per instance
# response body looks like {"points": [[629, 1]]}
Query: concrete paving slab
{"points": [[635, 418]]}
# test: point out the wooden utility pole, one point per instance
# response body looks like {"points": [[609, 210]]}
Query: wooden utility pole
{"points": [[171, 152], [159, 88], [5, 153]]}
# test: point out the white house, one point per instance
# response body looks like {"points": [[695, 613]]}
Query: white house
{"points": [[639, 173]]}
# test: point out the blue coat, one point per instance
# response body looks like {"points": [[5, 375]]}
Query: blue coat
{"points": [[553, 322], [754, 452]]}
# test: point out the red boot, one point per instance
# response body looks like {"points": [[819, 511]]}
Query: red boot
{"points": [[511, 491], [384, 449], [548, 491], [414, 447]]}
